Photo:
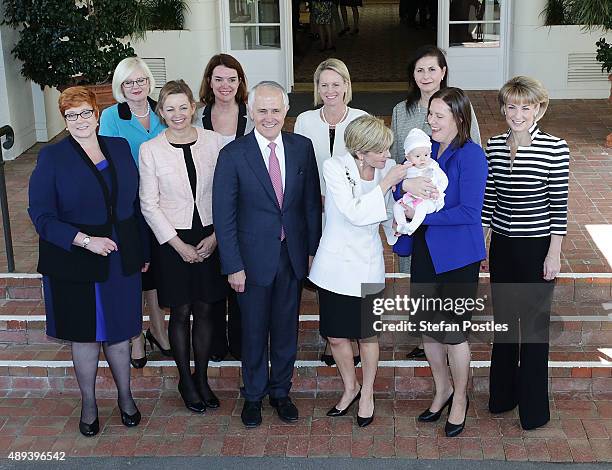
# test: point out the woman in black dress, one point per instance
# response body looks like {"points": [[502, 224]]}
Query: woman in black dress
{"points": [[176, 170], [223, 95]]}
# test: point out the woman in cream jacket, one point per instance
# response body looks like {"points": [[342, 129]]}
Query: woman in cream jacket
{"points": [[350, 254]]}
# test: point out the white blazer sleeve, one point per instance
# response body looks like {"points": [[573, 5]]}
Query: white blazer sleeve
{"points": [[366, 209], [149, 197], [390, 202]]}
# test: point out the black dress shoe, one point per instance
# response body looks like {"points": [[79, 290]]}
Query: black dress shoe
{"points": [[429, 416], [153, 341], [207, 395], [140, 362], [452, 430], [285, 409], [363, 422], [130, 420], [89, 430], [416, 353], [251, 414], [195, 406], [217, 357], [336, 412], [328, 359]]}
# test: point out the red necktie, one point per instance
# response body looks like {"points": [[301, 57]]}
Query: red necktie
{"points": [[276, 178]]}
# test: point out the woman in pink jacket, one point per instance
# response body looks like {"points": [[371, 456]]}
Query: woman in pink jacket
{"points": [[176, 174]]}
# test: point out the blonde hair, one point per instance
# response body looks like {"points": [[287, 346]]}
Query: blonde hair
{"points": [[526, 90], [341, 69], [124, 69], [174, 87], [367, 134]]}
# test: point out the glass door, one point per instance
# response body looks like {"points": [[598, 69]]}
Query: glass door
{"points": [[254, 31], [474, 33]]}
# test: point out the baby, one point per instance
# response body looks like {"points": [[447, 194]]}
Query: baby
{"points": [[417, 148]]}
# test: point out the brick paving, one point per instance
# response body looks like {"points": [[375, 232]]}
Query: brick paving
{"points": [[583, 123], [579, 430]]}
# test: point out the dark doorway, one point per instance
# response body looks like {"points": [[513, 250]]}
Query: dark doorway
{"points": [[379, 51]]}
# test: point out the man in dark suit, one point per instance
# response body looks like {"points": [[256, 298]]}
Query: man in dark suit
{"points": [[267, 217]]}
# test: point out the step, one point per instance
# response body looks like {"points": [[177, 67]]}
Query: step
{"points": [[574, 372]]}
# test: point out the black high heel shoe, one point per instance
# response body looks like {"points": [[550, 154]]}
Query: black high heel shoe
{"points": [[153, 341], [363, 422], [416, 353], [196, 406], [336, 412], [130, 420], [452, 430], [89, 430], [429, 416], [141, 361], [209, 399]]}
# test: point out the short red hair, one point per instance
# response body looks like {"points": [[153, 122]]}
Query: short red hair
{"points": [[76, 96]]}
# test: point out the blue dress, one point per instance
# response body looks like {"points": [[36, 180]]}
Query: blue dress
{"points": [[116, 301]]}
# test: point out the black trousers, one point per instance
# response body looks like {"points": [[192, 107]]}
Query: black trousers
{"points": [[269, 332], [227, 330], [522, 300]]}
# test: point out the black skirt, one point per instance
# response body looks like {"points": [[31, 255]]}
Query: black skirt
{"points": [[448, 288], [181, 283], [345, 316]]}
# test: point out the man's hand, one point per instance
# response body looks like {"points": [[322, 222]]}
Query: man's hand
{"points": [[237, 281]]}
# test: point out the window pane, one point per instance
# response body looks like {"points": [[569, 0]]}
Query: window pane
{"points": [[254, 11], [255, 37], [465, 10], [474, 35]]}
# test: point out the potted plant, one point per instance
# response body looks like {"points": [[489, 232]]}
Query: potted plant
{"points": [[70, 42]]}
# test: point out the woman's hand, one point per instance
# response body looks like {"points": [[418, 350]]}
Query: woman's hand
{"points": [[409, 211], [393, 177], [101, 246], [145, 268], [188, 253], [420, 187], [552, 267], [206, 247]]}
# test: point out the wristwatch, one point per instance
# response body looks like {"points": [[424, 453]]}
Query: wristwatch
{"points": [[85, 242]]}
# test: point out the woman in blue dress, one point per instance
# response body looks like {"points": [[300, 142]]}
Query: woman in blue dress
{"points": [[134, 119], [83, 201]]}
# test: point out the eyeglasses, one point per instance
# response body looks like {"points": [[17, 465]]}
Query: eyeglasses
{"points": [[85, 114], [142, 81]]}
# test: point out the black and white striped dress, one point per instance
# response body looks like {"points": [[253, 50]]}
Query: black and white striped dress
{"points": [[527, 197]]}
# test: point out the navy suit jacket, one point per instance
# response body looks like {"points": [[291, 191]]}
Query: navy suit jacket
{"points": [[246, 214], [65, 196]]}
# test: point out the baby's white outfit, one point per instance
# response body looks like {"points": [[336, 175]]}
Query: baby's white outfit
{"points": [[422, 207]]}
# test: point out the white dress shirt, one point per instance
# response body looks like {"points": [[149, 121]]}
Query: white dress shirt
{"points": [[263, 143]]}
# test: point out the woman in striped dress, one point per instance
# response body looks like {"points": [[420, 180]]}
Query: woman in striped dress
{"points": [[526, 208]]}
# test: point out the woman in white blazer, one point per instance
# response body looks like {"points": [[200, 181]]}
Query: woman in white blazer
{"points": [[325, 127], [350, 253]]}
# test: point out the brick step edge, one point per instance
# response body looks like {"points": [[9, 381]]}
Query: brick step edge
{"points": [[571, 286], [395, 379]]}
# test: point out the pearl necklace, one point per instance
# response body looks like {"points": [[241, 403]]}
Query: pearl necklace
{"points": [[145, 114], [334, 125]]}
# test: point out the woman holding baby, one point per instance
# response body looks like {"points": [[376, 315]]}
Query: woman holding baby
{"points": [[447, 249], [427, 73]]}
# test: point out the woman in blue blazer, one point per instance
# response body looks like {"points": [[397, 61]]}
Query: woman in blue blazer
{"points": [[134, 119], [446, 255], [83, 201]]}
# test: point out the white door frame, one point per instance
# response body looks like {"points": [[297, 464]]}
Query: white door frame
{"points": [[284, 63], [454, 55]]}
